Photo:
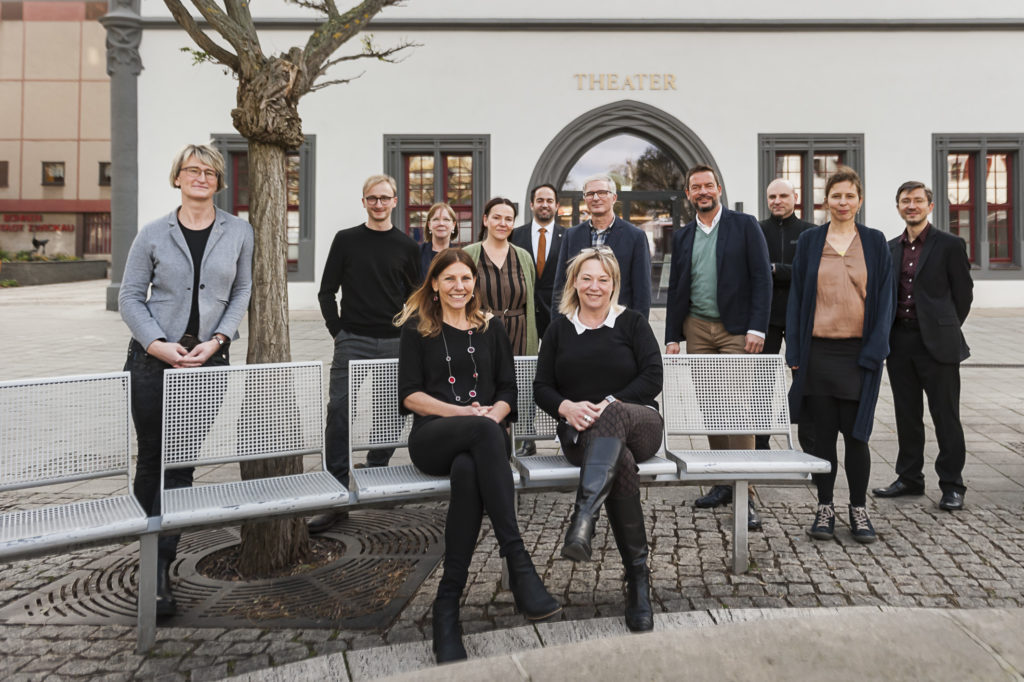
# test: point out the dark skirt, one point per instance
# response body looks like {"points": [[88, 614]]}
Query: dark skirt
{"points": [[832, 369]]}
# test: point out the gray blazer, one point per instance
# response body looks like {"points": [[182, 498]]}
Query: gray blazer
{"points": [[160, 256]]}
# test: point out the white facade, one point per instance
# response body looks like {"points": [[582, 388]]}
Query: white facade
{"points": [[522, 87]]}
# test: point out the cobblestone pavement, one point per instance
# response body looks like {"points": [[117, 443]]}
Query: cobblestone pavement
{"points": [[924, 557]]}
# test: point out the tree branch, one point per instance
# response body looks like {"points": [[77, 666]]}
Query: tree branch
{"points": [[369, 52], [338, 28], [185, 20], [339, 81]]}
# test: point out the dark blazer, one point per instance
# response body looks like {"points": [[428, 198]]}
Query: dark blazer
{"points": [[878, 314], [523, 238], [744, 276], [943, 293], [631, 248]]}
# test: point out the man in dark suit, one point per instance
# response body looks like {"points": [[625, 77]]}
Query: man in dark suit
{"points": [[543, 239], [781, 230], [627, 241], [934, 292], [719, 295]]}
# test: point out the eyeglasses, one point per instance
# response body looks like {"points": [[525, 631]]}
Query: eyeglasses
{"points": [[596, 194], [196, 171], [377, 200], [603, 248]]}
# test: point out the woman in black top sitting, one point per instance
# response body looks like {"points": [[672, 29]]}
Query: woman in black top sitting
{"points": [[456, 375], [598, 373]]}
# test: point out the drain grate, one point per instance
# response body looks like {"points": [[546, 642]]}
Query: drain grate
{"points": [[388, 555]]}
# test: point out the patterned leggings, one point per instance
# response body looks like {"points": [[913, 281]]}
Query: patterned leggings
{"points": [[638, 426]]}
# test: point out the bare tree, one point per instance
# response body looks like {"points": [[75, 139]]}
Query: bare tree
{"points": [[266, 114]]}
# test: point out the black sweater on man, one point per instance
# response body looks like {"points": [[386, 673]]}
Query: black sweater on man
{"points": [[781, 236], [376, 272], [623, 361]]}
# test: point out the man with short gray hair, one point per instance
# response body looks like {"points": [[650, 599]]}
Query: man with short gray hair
{"points": [[627, 241]]}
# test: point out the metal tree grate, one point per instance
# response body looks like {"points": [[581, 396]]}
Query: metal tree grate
{"points": [[388, 554]]}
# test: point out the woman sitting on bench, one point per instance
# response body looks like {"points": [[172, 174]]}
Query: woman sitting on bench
{"points": [[598, 373], [456, 375]]}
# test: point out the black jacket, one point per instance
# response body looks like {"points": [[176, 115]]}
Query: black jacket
{"points": [[542, 291], [943, 293], [781, 236]]}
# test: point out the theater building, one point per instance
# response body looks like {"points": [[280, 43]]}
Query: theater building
{"points": [[497, 97]]}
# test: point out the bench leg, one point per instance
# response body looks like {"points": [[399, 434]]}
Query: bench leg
{"points": [[146, 605], [740, 555]]}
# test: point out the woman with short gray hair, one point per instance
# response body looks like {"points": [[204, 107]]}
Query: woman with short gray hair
{"points": [[185, 288]]}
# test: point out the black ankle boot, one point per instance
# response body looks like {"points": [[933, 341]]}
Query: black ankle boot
{"points": [[626, 517], [166, 605], [447, 631], [597, 474], [532, 599]]}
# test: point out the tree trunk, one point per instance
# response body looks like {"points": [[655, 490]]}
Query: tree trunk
{"points": [[270, 545]]}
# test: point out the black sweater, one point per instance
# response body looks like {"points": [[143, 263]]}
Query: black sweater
{"points": [[781, 236], [623, 361], [376, 272], [422, 367]]}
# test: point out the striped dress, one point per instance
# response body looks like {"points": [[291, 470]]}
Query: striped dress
{"points": [[502, 291]]}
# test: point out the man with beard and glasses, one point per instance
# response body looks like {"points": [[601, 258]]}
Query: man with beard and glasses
{"points": [[934, 292], [542, 239], [719, 296]]}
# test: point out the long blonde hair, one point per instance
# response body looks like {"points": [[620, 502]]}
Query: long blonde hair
{"points": [[424, 305], [604, 254]]}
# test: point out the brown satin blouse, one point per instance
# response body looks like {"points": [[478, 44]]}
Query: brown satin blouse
{"points": [[842, 288]]}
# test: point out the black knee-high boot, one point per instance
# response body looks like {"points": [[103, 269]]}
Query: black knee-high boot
{"points": [[626, 517], [597, 475]]}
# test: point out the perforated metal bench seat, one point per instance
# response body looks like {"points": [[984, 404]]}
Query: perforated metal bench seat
{"points": [[399, 482], [222, 503], [753, 465], [553, 469], [28, 532]]}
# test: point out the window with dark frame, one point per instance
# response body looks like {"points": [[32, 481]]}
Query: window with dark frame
{"points": [[807, 161], [977, 182], [104, 174], [4, 166], [428, 169], [53, 173]]}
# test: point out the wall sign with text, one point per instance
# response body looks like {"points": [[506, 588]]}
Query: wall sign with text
{"points": [[625, 81]]}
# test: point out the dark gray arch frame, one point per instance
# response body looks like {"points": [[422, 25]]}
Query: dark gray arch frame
{"points": [[626, 116]]}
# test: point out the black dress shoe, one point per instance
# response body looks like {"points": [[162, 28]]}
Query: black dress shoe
{"points": [[527, 449], [898, 489], [716, 497], [753, 519], [321, 523], [952, 501]]}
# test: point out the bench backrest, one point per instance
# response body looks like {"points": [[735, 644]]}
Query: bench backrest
{"points": [[534, 423], [725, 395], [374, 420], [243, 412], [64, 429]]}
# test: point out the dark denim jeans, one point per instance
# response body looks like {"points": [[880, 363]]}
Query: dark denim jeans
{"points": [[147, 413], [348, 346]]}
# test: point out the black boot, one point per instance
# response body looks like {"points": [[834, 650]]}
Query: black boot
{"points": [[596, 477], [626, 517], [447, 631], [166, 605], [532, 599]]}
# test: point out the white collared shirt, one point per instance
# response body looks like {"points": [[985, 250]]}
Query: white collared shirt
{"points": [[714, 222], [535, 236], [609, 321]]}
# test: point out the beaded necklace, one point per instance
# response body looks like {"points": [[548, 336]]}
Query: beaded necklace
{"points": [[470, 350]]}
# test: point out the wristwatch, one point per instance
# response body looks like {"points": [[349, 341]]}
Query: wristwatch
{"points": [[610, 398]]}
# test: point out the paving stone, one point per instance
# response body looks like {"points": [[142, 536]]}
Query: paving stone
{"points": [[250, 663], [208, 674]]}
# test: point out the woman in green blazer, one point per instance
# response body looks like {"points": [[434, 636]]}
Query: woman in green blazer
{"points": [[506, 276]]}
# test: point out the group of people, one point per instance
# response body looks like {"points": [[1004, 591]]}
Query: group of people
{"points": [[579, 298]]}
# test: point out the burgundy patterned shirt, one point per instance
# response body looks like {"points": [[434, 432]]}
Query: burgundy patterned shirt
{"points": [[905, 308]]}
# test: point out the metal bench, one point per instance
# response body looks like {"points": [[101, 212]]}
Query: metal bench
{"points": [[63, 430], [216, 415], [732, 395], [535, 424]]}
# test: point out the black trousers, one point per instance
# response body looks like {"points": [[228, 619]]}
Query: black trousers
{"points": [[804, 429], [147, 400], [473, 452], [832, 416], [912, 370]]}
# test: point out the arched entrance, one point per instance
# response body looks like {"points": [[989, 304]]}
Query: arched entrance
{"points": [[647, 151]]}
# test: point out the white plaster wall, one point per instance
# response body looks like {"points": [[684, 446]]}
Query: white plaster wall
{"points": [[895, 88]]}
